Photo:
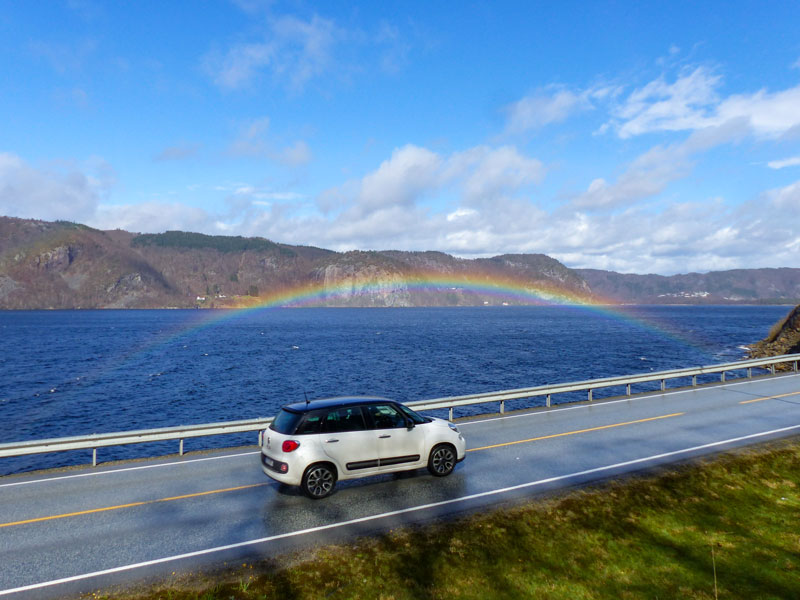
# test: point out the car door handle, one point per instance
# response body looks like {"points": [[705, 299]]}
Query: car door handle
{"points": [[384, 436], [332, 440]]}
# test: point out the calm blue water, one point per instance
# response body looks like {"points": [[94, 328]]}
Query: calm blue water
{"points": [[77, 372]]}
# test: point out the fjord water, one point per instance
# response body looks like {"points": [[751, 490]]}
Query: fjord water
{"points": [[66, 373]]}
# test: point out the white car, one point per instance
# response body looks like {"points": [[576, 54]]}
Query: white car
{"points": [[314, 444]]}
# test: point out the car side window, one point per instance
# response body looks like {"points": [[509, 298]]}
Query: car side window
{"points": [[386, 416], [311, 423], [346, 418]]}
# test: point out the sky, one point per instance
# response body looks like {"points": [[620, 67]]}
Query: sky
{"points": [[639, 137]]}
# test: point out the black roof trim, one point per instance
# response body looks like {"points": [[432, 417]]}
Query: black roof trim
{"points": [[302, 407]]}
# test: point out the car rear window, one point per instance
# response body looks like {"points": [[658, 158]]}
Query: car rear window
{"points": [[286, 422]]}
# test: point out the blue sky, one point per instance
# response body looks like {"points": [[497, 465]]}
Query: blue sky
{"points": [[631, 136]]}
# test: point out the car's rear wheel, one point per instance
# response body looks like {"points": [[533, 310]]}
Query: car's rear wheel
{"points": [[442, 460], [318, 480]]}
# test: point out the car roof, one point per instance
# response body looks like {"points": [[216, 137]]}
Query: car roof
{"points": [[301, 407]]}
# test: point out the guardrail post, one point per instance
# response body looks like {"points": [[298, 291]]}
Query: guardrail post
{"points": [[663, 385], [749, 372], [772, 368], [548, 400], [628, 390], [451, 414], [502, 406], [94, 457], [180, 451], [590, 394], [795, 366], [260, 438], [694, 380], [722, 377]]}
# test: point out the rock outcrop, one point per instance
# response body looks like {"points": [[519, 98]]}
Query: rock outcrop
{"points": [[783, 338]]}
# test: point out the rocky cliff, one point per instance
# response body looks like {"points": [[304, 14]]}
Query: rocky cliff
{"points": [[63, 265], [783, 338]]}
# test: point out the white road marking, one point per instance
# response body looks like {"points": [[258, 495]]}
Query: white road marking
{"points": [[158, 561]]}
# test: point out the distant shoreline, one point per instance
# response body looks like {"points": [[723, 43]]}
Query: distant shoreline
{"points": [[492, 306]]}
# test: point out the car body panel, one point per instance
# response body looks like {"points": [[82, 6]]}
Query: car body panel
{"points": [[358, 436]]}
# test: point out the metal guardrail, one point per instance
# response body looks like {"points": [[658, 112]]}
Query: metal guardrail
{"points": [[593, 384], [100, 440], [121, 438]]}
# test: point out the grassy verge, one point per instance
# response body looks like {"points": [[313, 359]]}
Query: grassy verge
{"points": [[727, 527]]}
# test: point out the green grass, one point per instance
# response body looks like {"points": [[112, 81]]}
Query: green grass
{"points": [[660, 536]]}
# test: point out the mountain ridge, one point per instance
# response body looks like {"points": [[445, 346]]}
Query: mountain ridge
{"points": [[65, 265], [735, 286]]}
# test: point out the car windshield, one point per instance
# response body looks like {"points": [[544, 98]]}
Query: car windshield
{"points": [[286, 422], [417, 418]]}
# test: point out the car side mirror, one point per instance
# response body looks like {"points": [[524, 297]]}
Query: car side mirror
{"points": [[410, 425]]}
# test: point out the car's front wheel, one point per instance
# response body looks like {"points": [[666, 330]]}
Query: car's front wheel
{"points": [[318, 481], [442, 460]]}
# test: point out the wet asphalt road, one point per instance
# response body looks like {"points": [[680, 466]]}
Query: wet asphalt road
{"points": [[66, 533]]}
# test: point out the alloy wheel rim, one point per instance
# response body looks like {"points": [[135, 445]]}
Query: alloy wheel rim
{"points": [[320, 481], [442, 460]]}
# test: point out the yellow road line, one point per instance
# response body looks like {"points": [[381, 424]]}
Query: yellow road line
{"points": [[555, 435], [769, 398], [131, 505]]}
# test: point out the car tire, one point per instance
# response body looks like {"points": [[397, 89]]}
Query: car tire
{"points": [[318, 480], [442, 460]]}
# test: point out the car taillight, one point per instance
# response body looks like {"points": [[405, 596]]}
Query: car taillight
{"points": [[290, 446]]}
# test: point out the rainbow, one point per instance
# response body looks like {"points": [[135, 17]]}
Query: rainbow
{"points": [[500, 290], [393, 290]]}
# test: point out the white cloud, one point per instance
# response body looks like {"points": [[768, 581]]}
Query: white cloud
{"points": [[399, 181], [786, 162], [55, 192], [645, 177], [293, 50], [693, 102], [394, 206], [413, 175], [462, 213], [153, 217], [651, 172], [488, 173], [543, 108], [697, 236], [252, 141], [661, 106], [770, 115], [295, 155], [785, 199]]}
